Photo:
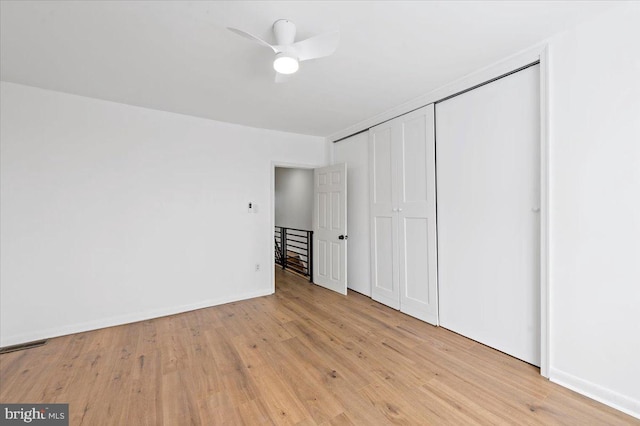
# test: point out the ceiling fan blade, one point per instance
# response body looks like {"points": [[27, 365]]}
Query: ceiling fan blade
{"points": [[317, 47], [253, 38]]}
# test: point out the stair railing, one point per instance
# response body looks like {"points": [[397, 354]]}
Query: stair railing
{"points": [[294, 250]]}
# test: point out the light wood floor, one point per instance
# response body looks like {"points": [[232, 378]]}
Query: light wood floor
{"points": [[303, 356]]}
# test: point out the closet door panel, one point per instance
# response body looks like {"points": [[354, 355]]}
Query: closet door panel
{"points": [[382, 172], [413, 158], [416, 215], [488, 220], [384, 241], [384, 285], [415, 234]]}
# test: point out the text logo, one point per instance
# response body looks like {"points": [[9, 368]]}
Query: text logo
{"points": [[34, 414]]}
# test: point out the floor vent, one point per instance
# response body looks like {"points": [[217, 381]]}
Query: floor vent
{"points": [[23, 346]]}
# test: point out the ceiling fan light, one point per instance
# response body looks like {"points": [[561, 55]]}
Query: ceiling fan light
{"points": [[285, 64]]}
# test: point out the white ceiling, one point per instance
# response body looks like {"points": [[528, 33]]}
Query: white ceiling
{"points": [[178, 56]]}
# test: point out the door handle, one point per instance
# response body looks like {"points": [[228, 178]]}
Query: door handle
{"points": [[535, 209], [343, 237]]}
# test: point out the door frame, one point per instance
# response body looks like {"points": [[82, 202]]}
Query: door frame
{"points": [[538, 53], [545, 299], [272, 208]]}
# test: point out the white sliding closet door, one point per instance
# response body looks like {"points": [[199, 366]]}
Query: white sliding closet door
{"points": [[488, 166]]}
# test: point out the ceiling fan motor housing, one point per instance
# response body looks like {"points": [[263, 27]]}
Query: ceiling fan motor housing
{"points": [[284, 31]]}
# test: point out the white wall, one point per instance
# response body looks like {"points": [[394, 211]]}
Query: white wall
{"points": [[355, 152], [112, 213], [293, 198], [595, 208]]}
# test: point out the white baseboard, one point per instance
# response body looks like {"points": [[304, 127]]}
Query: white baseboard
{"points": [[125, 319], [601, 394]]}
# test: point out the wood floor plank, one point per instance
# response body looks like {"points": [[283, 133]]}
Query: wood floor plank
{"points": [[279, 398], [302, 356], [255, 412], [330, 355], [310, 384]]}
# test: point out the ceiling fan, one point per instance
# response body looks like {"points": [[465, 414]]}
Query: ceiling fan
{"points": [[289, 53]]}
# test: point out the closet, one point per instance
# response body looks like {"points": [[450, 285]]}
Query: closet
{"points": [[402, 208], [480, 276]]}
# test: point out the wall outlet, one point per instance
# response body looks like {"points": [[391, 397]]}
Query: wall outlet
{"points": [[257, 267]]}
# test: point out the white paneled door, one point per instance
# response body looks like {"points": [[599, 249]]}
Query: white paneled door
{"points": [[488, 156], [384, 218], [403, 214], [417, 255], [330, 227]]}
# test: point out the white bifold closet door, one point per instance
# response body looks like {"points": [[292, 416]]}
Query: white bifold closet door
{"points": [[488, 189], [403, 222]]}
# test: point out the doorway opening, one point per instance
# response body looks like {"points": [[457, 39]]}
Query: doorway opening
{"points": [[293, 217]]}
